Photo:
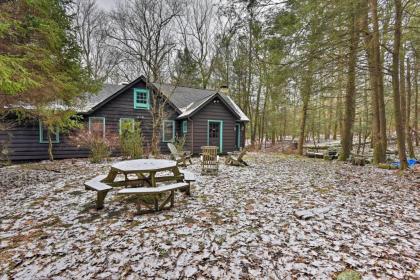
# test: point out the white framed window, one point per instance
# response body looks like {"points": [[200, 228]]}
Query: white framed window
{"points": [[184, 127], [97, 126], [43, 134], [168, 134], [126, 124]]}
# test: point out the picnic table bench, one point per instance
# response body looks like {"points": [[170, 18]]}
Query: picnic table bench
{"points": [[155, 192], [145, 171], [101, 189]]}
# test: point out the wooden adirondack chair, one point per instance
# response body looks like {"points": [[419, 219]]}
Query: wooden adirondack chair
{"points": [[236, 160], [180, 157], [209, 160]]}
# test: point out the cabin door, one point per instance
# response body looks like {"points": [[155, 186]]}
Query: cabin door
{"points": [[215, 134]]}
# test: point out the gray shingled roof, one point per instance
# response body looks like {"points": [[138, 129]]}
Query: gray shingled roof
{"points": [[90, 100], [182, 97], [187, 100]]}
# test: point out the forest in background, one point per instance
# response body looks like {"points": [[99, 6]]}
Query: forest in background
{"points": [[308, 70]]}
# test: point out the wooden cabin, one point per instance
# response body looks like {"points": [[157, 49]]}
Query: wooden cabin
{"points": [[203, 117]]}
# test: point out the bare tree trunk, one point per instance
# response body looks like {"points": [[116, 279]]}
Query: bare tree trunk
{"points": [[257, 113], [366, 131], [330, 120], [350, 106], [376, 81], [50, 147], [416, 107], [337, 115], [305, 97], [408, 116], [403, 106], [382, 141], [263, 121], [396, 85]]}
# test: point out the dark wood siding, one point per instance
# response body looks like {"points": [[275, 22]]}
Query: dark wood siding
{"points": [[123, 107], [24, 139], [24, 144], [199, 126]]}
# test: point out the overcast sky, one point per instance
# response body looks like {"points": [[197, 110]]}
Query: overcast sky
{"points": [[107, 4]]}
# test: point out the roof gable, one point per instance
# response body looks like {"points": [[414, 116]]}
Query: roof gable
{"points": [[186, 101], [108, 92], [191, 100]]}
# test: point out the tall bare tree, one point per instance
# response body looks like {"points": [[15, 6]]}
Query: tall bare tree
{"points": [[143, 32], [199, 28], [91, 24], [350, 106], [399, 127]]}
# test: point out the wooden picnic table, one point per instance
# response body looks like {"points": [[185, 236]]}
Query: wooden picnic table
{"points": [[145, 171]]}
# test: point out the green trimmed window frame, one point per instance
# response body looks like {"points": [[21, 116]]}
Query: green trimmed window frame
{"points": [[184, 126], [41, 135], [220, 122], [238, 135], [141, 98], [122, 120], [172, 122], [102, 119]]}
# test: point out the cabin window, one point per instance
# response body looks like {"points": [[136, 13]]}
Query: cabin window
{"points": [[126, 124], [141, 98], [97, 126], [184, 127], [168, 131], [43, 134]]}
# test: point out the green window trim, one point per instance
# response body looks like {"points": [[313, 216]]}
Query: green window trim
{"points": [[141, 98], [173, 131], [45, 141], [124, 120], [97, 118], [184, 126], [238, 132], [221, 133]]}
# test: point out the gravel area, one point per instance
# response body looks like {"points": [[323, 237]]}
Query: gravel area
{"points": [[245, 223]]}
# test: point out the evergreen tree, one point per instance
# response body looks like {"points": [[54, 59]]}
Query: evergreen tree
{"points": [[186, 70], [39, 61]]}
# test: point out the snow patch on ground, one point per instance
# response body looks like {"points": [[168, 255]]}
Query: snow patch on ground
{"points": [[239, 224]]}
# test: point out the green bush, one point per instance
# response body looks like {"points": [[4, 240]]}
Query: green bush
{"points": [[131, 140]]}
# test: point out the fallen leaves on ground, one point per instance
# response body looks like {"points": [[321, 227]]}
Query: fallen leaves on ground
{"points": [[239, 224]]}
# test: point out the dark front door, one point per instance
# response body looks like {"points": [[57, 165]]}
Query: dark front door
{"points": [[214, 134]]}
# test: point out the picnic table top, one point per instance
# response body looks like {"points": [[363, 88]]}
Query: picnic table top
{"points": [[144, 165]]}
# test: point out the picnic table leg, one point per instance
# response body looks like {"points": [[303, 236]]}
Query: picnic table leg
{"points": [[138, 204], [172, 198], [153, 179], [156, 202], [111, 176], [141, 176], [100, 199], [177, 173]]}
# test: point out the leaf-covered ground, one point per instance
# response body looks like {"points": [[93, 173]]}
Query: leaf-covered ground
{"points": [[239, 224]]}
